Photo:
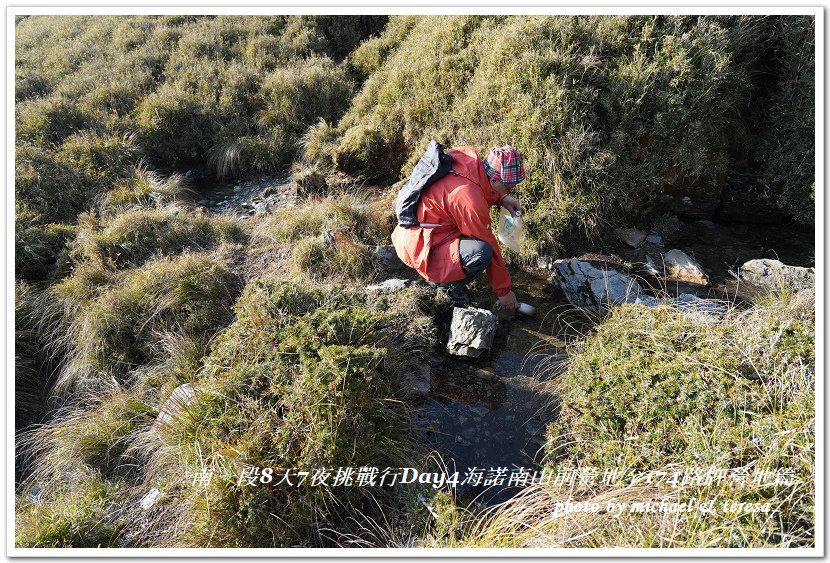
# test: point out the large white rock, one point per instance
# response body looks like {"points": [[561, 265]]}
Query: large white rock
{"points": [[681, 267], [471, 331], [592, 288], [772, 275]]}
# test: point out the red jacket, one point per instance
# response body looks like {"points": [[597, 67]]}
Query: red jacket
{"points": [[461, 206]]}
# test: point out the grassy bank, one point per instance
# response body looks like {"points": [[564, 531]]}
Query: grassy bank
{"points": [[162, 350], [651, 394]]}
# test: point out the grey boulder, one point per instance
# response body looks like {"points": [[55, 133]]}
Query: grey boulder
{"points": [[471, 332], [772, 275]]}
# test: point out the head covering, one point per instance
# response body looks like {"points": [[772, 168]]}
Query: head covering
{"points": [[505, 164]]}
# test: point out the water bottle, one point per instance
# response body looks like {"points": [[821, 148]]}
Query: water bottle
{"points": [[511, 230]]}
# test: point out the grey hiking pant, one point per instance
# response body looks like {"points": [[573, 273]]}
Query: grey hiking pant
{"points": [[475, 256]]}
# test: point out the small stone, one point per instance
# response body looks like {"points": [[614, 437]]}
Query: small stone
{"points": [[261, 207], [387, 258], [237, 189], [150, 499], [687, 200], [327, 238], [700, 310], [681, 267], [393, 285], [654, 239], [545, 262], [462, 420], [632, 237], [202, 202]]}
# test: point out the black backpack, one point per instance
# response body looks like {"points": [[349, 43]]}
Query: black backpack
{"points": [[433, 165]]}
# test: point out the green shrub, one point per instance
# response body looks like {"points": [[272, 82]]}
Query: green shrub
{"points": [[787, 142], [74, 517], [651, 389], [302, 379]]}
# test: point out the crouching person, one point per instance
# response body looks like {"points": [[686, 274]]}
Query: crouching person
{"points": [[452, 241]]}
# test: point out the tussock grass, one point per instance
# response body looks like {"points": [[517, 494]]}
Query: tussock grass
{"points": [[327, 237], [114, 321], [131, 238], [609, 112], [303, 378], [78, 517], [99, 96], [144, 187]]}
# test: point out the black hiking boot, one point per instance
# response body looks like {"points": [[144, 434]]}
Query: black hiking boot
{"points": [[457, 293]]}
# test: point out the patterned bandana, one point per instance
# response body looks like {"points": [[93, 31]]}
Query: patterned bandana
{"points": [[505, 164]]}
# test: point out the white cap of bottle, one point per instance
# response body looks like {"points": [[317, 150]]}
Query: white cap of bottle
{"points": [[526, 309]]}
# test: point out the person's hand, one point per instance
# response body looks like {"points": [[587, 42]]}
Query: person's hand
{"points": [[511, 204], [509, 301]]}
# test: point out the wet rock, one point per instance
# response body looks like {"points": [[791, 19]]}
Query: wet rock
{"points": [[681, 267], [654, 239], [651, 266], [387, 258], [417, 380], [202, 202], [591, 288], [237, 189], [632, 237], [393, 285], [771, 275], [703, 311], [667, 226], [471, 332], [150, 499], [178, 401]]}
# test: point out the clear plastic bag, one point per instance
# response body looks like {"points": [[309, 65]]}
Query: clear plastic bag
{"points": [[511, 230]]}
